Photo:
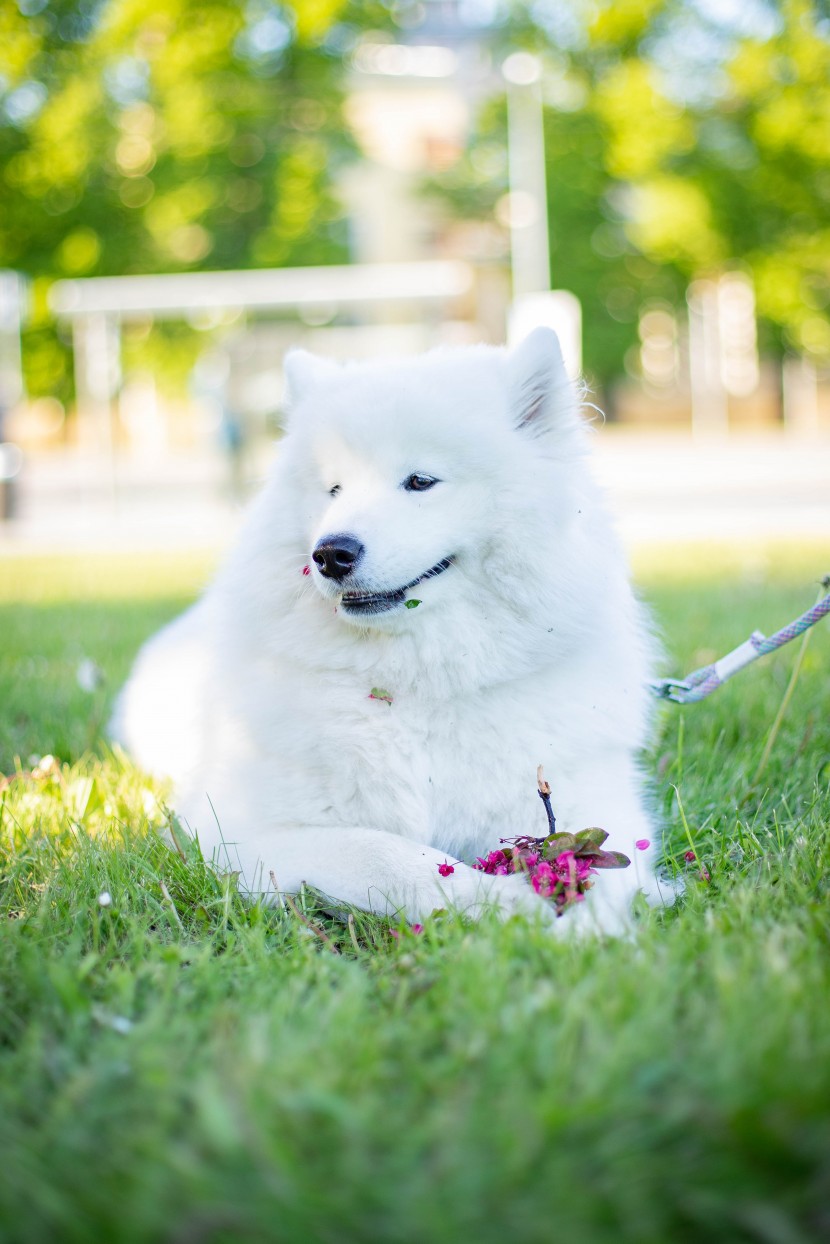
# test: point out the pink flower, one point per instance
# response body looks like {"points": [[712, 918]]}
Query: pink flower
{"points": [[496, 863], [531, 859], [544, 880], [690, 857], [642, 844], [417, 928], [570, 868], [306, 570], [704, 874], [445, 869]]}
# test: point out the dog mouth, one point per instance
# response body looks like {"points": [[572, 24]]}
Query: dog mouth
{"points": [[365, 603]]}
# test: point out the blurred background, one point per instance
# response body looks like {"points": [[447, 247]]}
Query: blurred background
{"points": [[190, 187]]}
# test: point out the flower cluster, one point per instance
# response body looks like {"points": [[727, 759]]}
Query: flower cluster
{"points": [[559, 867]]}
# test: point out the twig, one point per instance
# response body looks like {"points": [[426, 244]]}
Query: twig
{"points": [[280, 897], [352, 933], [176, 915], [544, 795], [779, 716], [309, 925], [176, 844]]}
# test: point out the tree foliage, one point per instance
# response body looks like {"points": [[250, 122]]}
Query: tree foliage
{"points": [[680, 140], [682, 137], [746, 178], [167, 137], [164, 137]]}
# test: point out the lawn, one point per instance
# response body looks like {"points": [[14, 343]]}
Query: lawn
{"points": [[176, 1065]]}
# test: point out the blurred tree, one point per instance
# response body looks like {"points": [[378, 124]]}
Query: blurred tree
{"points": [[681, 137], [739, 172], [178, 135], [590, 252], [145, 138]]}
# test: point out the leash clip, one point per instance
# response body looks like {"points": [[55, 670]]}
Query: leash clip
{"points": [[671, 689]]}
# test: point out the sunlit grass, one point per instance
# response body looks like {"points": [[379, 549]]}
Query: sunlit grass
{"points": [[176, 1064], [45, 579], [740, 562]]}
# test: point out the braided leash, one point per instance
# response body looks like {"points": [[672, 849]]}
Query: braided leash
{"points": [[708, 678]]}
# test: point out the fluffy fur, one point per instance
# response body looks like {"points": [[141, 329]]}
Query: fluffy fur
{"points": [[528, 649]]}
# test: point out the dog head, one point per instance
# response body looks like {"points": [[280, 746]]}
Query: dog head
{"points": [[428, 480]]}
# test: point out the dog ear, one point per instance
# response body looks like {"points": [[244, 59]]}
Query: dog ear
{"points": [[304, 371], [540, 393]]}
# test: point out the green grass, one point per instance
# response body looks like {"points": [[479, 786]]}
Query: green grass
{"points": [[180, 1066]]}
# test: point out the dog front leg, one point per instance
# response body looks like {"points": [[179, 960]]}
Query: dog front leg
{"points": [[382, 873], [609, 794]]}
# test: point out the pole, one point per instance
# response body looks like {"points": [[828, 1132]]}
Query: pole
{"points": [[528, 204]]}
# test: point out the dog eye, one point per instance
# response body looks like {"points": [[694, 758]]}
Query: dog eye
{"points": [[419, 483], [334, 491]]}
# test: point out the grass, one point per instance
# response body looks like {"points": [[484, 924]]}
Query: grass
{"points": [[179, 1066]]}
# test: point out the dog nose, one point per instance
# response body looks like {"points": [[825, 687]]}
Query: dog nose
{"points": [[336, 556]]}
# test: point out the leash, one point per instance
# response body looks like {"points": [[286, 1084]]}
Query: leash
{"points": [[702, 682]]}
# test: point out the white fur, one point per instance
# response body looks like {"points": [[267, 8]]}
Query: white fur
{"points": [[530, 649]]}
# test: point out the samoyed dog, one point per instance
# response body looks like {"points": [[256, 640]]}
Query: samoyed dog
{"points": [[426, 602]]}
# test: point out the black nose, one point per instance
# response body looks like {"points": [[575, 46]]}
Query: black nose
{"points": [[337, 556]]}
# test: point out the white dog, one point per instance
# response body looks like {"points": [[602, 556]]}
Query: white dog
{"points": [[426, 602]]}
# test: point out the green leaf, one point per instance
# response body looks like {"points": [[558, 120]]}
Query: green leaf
{"points": [[610, 859], [412, 604], [592, 837], [555, 844]]}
